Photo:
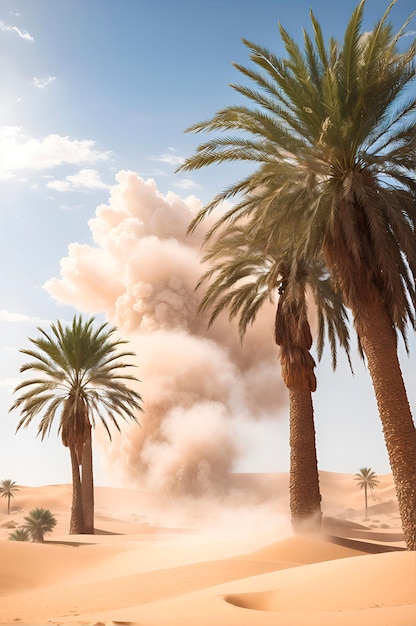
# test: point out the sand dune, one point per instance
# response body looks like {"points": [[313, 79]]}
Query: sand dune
{"points": [[155, 562], [303, 550], [369, 586]]}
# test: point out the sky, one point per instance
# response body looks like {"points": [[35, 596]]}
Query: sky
{"points": [[96, 97]]}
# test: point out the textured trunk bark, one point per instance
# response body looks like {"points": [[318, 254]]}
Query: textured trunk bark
{"points": [[305, 497], [88, 485], [379, 344], [76, 526], [366, 501]]}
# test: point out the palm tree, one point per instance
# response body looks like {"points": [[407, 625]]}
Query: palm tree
{"points": [[333, 134], [8, 489], [246, 272], [20, 534], [39, 522], [81, 377], [366, 479]]}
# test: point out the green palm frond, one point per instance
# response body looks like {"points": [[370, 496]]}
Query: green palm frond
{"points": [[8, 488], [366, 478], [350, 58], [81, 376], [39, 522], [331, 129], [246, 269], [20, 534]]}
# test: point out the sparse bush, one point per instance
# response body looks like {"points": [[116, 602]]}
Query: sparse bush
{"points": [[39, 522], [20, 534]]}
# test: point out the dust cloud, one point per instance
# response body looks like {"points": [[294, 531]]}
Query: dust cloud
{"points": [[198, 384]]}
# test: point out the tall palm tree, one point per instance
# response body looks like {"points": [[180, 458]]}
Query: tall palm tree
{"points": [[366, 479], [80, 376], [8, 489], [333, 134], [39, 522], [248, 270]]}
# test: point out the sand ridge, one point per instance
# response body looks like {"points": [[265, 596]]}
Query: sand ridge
{"points": [[216, 568]]}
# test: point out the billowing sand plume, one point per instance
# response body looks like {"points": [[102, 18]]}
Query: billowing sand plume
{"points": [[198, 384]]}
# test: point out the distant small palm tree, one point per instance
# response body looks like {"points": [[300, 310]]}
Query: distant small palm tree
{"points": [[366, 479], [39, 522], [8, 489], [20, 534]]}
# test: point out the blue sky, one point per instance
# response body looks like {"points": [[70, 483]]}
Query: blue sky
{"points": [[93, 88]]}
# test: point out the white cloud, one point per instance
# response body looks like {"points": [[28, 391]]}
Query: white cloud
{"points": [[187, 183], [41, 83], [86, 178], [20, 152], [22, 33], [167, 158], [6, 175], [9, 316]]}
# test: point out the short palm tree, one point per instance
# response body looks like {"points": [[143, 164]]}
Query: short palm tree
{"points": [[8, 489], [332, 131], [246, 271], [80, 376], [366, 479], [20, 534], [39, 522]]}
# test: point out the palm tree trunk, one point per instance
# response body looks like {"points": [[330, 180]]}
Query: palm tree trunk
{"points": [[8, 505], [293, 335], [366, 500], [88, 485], [76, 526], [305, 497], [378, 340]]}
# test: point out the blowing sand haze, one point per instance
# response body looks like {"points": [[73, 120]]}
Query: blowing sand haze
{"points": [[233, 562]]}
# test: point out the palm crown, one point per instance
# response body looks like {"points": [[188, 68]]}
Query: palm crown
{"points": [[39, 522], [334, 138], [8, 489], [246, 271], [81, 376], [332, 131], [366, 478]]}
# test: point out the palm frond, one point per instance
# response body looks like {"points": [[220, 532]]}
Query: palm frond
{"points": [[80, 367]]}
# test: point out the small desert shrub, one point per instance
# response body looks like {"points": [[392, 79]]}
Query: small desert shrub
{"points": [[384, 526], [20, 534], [39, 522]]}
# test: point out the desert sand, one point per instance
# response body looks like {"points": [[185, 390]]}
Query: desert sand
{"points": [[225, 561]]}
